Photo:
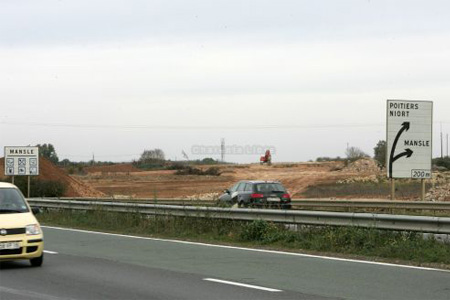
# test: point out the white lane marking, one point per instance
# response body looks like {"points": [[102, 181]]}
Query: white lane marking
{"points": [[256, 287], [253, 250], [50, 252]]}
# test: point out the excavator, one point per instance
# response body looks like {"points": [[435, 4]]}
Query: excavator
{"points": [[266, 159]]}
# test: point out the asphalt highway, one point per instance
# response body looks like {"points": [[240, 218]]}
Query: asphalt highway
{"points": [[89, 265]]}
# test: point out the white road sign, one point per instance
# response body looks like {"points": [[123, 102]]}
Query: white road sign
{"points": [[409, 138], [21, 161]]}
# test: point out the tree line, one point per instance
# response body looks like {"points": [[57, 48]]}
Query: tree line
{"points": [[155, 158]]}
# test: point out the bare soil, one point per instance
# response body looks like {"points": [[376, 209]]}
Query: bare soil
{"points": [[125, 180], [296, 177]]}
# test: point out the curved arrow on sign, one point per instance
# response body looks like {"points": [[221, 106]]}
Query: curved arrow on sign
{"points": [[407, 152]]}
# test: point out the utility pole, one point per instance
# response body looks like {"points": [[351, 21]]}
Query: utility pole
{"points": [[442, 144], [447, 144], [222, 150]]}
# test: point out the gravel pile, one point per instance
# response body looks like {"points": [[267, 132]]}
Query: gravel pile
{"points": [[207, 196], [364, 165], [439, 193]]}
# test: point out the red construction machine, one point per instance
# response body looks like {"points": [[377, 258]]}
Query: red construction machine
{"points": [[266, 159]]}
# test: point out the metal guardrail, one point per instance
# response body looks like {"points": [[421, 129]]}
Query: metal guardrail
{"points": [[321, 218], [386, 204], [296, 203]]}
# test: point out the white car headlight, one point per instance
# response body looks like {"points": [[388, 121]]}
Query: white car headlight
{"points": [[33, 229]]}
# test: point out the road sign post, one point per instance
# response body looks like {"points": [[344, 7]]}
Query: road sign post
{"points": [[409, 140], [22, 161], [392, 189], [28, 190], [422, 197]]}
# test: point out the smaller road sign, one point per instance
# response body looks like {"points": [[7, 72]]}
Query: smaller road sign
{"points": [[409, 138], [21, 161]]}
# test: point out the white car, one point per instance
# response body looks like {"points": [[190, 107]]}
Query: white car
{"points": [[20, 233]]}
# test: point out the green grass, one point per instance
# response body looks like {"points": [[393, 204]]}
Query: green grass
{"points": [[406, 246], [404, 190]]}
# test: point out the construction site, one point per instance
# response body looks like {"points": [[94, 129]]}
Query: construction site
{"points": [[361, 179]]}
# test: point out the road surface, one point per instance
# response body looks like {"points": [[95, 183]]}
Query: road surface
{"points": [[89, 265]]}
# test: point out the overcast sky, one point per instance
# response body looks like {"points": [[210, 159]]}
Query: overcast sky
{"points": [[113, 78]]}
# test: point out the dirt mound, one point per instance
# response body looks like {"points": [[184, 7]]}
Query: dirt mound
{"points": [[439, 193], [116, 168], [48, 171], [364, 165]]}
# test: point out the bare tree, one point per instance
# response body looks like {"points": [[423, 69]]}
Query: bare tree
{"points": [[354, 153], [152, 155]]}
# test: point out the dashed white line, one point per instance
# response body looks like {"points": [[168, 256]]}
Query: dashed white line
{"points": [[50, 252], [256, 287], [254, 250]]}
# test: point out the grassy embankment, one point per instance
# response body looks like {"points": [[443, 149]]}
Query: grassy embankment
{"points": [[405, 247]]}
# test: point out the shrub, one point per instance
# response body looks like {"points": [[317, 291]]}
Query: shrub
{"points": [[323, 159], [261, 231], [213, 171], [380, 153], [442, 162], [150, 165], [208, 161], [40, 187], [187, 170], [47, 188], [176, 166]]}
